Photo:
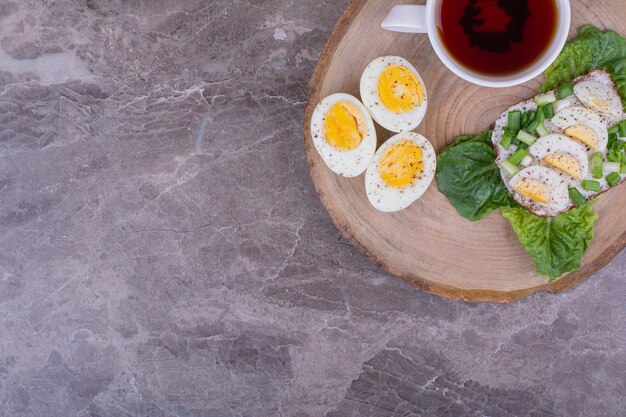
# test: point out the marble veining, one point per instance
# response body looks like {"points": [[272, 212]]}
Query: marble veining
{"points": [[163, 252]]}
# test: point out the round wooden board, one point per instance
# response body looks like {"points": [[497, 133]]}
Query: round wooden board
{"points": [[429, 244]]}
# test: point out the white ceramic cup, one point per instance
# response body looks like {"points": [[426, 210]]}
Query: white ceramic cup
{"points": [[424, 19]]}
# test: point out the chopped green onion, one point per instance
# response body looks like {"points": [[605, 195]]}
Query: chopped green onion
{"points": [[541, 130], [561, 104], [622, 170], [565, 90], [539, 116], [548, 110], [611, 166], [595, 164], [614, 129], [509, 168], [613, 178], [576, 196], [613, 156], [526, 137], [516, 141], [506, 140], [612, 137], [527, 161], [523, 145], [545, 98], [530, 116], [591, 185], [515, 120], [622, 129], [517, 157], [532, 126]]}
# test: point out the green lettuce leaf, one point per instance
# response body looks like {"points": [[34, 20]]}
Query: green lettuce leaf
{"points": [[591, 49], [468, 176], [556, 244]]}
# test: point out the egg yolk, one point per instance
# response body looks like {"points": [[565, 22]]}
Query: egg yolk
{"points": [[602, 105], [401, 164], [583, 134], [399, 89], [533, 189], [344, 126], [566, 162]]}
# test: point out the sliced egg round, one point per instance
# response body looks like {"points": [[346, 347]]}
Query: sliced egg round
{"points": [[542, 186], [343, 134], [394, 93], [599, 97], [584, 125], [562, 153], [400, 172]]}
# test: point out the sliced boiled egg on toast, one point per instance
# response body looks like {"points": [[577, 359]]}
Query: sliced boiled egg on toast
{"points": [[584, 125], [543, 186], [562, 153]]}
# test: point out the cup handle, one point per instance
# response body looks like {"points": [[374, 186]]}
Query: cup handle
{"points": [[407, 19]]}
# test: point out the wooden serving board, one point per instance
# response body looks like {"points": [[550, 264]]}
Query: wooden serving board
{"points": [[429, 244]]}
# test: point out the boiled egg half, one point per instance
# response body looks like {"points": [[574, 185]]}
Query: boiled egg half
{"points": [[400, 172], [394, 93], [343, 134]]}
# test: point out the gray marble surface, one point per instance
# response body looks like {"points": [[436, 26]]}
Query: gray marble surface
{"points": [[163, 253]]}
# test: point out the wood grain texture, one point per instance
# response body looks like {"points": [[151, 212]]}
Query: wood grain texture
{"points": [[429, 245]]}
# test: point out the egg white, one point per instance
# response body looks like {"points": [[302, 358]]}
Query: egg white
{"points": [[555, 182], [394, 122], [580, 115], [389, 199], [347, 163], [589, 91]]}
